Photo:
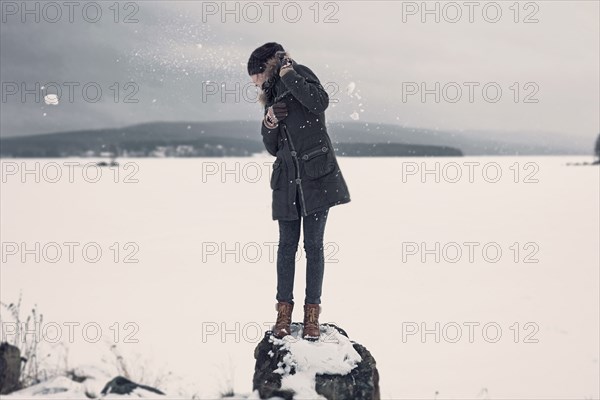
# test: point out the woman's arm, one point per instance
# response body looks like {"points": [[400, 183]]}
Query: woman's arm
{"points": [[306, 88]]}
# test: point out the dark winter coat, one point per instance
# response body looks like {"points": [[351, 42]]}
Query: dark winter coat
{"points": [[305, 159]]}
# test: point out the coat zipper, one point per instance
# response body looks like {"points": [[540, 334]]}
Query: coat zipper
{"points": [[298, 180]]}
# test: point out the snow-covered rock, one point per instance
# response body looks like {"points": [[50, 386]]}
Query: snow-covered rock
{"points": [[334, 367], [59, 387], [82, 384], [92, 377], [123, 386]]}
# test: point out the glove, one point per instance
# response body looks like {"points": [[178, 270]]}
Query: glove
{"points": [[275, 113], [284, 63], [279, 110]]}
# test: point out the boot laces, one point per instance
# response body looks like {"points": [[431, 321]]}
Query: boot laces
{"points": [[312, 315]]}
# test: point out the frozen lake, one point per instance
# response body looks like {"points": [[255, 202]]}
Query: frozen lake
{"points": [[496, 258]]}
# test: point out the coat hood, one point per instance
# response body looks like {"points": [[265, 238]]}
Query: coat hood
{"points": [[271, 78]]}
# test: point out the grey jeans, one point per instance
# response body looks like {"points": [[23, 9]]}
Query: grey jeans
{"points": [[289, 236]]}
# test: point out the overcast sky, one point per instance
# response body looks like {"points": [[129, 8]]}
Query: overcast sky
{"points": [[373, 57]]}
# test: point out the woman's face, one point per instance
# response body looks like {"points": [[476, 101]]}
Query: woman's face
{"points": [[258, 79]]}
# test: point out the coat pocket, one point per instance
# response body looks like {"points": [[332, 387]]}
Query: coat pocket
{"points": [[276, 173], [318, 162]]}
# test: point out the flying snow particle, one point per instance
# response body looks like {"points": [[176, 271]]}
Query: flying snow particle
{"points": [[51, 99], [354, 116], [350, 88]]}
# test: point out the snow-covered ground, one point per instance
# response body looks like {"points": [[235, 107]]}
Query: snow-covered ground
{"points": [[203, 291]]}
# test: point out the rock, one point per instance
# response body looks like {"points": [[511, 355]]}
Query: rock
{"points": [[10, 368], [122, 385], [334, 367]]}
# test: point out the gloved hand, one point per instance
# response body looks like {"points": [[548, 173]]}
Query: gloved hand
{"points": [[284, 63], [279, 110], [275, 113]]}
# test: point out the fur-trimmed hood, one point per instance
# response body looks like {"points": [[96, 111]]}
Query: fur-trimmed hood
{"points": [[271, 77]]}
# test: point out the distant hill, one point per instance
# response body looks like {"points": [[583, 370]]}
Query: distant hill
{"points": [[395, 149], [242, 138]]}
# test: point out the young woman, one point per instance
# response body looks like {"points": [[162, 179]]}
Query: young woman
{"points": [[306, 179]]}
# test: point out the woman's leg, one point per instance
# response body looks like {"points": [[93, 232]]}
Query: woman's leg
{"points": [[314, 230], [289, 235]]}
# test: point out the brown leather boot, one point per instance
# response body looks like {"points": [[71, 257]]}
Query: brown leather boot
{"points": [[284, 319], [311, 329]]}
